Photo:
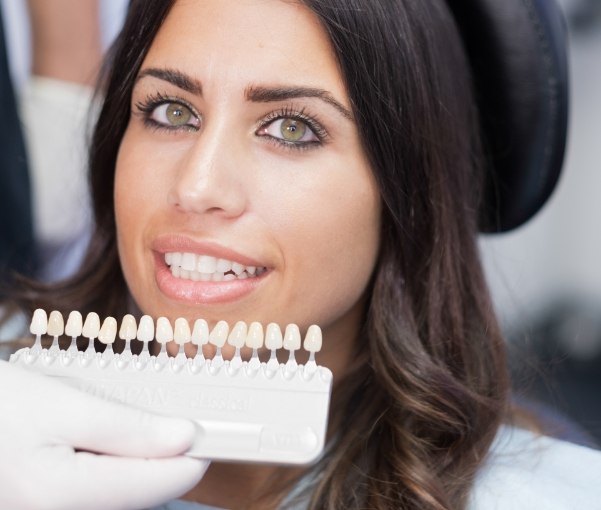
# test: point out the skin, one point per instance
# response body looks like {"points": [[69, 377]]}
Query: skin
{"points": [[310, 215]]}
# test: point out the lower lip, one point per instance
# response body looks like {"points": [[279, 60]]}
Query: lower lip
{"points": [[200, 293]]}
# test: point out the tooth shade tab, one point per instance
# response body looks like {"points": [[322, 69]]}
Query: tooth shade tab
{"points": [[74, 324], [181, 334], [91, 326], [218, 336], [56, 325], [313, 339], [128, 328], [39, 322], [200, 332], [145, 332], [292, 338], [164, 332], [237, 336], [273, 336], [254, 338], [108, 331]]}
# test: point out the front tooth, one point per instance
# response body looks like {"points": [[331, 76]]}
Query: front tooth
{"points": [[251, 270], [184, 274], [56, 325], [313, 339], [108, 331], [145, 331], [217, 277], [206, 277], [74, 324], [273, 336], [189, 261], [237, 268], [194, 276], [223, 265], [254, 339], [39, 322], [164, 332], [91, 326], [181, 334], [176, 271], [292, 338], [219, 334], [176, 258], [169, 258], [237, 336], [200, 332], [128, 328], [206, 264]]}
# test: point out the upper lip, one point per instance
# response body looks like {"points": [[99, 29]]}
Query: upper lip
{"points": [[182, 243]]}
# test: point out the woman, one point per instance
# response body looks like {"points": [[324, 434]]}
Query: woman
{"points": [[332, 149]]}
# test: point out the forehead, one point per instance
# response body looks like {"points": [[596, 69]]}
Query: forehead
{"points": [[246, 40]]}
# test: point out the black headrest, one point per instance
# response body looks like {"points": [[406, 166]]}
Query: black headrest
{"points": [[517, 50]]}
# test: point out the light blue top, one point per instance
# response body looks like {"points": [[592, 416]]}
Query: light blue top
{"points": [[524, 471]]}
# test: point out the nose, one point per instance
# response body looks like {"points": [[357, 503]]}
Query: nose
{"points": [[208, 178]]}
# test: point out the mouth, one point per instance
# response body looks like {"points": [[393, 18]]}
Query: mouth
{"points": [[206, 268]]}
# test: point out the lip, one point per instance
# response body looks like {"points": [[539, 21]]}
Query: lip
{"points": [[198, 292]]}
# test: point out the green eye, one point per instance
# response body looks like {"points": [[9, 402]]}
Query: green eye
{"points": [[292, 130], [177, 114], [173, 115]]}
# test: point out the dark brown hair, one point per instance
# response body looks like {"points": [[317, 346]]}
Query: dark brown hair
{"points": [[424, 399]]}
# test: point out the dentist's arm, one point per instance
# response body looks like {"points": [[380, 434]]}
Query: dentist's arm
{"points": [[63, 449]]}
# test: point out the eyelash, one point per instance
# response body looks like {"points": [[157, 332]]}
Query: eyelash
{"points": [[290, 113], [149, 105]]}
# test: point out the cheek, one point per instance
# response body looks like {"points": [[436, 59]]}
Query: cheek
{"points": [[332, 245]]}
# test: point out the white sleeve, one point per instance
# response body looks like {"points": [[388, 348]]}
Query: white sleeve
{"points": [[526, 471]]}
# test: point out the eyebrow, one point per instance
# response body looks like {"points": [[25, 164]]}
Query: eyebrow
{"points": [[255, 93], [177, 78], [272, 94]]}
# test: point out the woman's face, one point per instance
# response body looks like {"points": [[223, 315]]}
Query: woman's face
{"points": [[242, 190]]}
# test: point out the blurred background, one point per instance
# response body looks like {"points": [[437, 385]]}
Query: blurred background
{"points": [[545, 276]]}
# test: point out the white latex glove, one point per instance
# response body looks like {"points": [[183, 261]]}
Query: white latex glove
{"points": [[45, 425]]}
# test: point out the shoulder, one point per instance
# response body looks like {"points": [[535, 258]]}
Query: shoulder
{"points": [[526, 470]]}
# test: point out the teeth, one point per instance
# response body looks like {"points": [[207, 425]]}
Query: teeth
{"points": [[200, 332], [254, 339], [181, 334], [223, 265], [189, 262], [205, 268], [56, 325], [164, 332], [273, 336], [292, 338], [237, 336], [39, 322], [108, 331], [91, 326], [128, 328], [145, 331], [207, 264], [219, 334], [74, 324], [313, 339]]}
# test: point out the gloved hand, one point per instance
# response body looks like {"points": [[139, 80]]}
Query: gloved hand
{"points": [[49, 430]]}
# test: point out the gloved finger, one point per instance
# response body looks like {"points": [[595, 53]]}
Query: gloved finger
{"points": [[115, 429], [110, 483]]}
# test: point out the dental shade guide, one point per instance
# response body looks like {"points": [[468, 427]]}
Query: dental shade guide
{"points": [[245, 411]]}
